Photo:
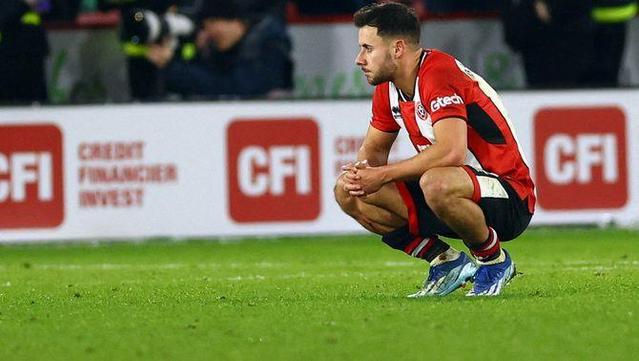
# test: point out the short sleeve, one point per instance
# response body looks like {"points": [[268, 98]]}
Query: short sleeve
{"points": [[443, 90], [382, 117]]}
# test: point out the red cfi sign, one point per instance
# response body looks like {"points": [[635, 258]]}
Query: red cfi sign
{"points": [[31, 176], [580, 158], [274, 170]]}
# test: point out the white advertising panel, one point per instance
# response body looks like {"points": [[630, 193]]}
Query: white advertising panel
{"points": [[259, 168]]}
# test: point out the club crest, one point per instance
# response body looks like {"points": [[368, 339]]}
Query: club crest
{"points": [[421, 111]]}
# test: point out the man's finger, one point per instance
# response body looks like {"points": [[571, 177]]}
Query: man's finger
{"points": [[352, 187], [352, 168], [361, 164], [347, 166], [352, 177]]}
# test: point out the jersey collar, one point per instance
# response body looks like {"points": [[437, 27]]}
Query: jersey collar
{"points": [[403, 97]]}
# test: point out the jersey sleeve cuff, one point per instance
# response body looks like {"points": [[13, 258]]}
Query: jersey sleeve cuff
{"points": [[444, 116], [384, 128]]}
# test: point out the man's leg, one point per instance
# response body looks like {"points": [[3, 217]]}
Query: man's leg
{"points": [[452, 193], [448, 192], [385, 213], [379, 213]]}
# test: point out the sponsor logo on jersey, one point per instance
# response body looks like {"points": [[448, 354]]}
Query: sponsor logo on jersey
{"points": [[274, 170], [397, 113], [31, 176], [441, 102]]}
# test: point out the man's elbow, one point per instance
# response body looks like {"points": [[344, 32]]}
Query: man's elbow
{"points": [[455, 158]]}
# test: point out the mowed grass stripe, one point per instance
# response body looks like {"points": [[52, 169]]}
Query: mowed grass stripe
{"points": [[316, 298]]}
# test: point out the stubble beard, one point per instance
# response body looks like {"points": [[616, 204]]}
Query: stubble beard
{"points": [[384, 74]]}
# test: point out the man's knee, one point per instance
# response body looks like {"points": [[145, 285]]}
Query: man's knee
{"points": [[371, 211], [341, 196], [435, 187], [346, 202]]}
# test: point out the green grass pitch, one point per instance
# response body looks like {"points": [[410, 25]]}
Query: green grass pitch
{"points": [[319, 298]]}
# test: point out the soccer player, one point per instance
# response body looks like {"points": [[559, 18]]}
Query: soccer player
{"points": [[469, 178]]}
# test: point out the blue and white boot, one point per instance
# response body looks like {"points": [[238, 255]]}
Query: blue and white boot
{"points": [[445, 277], [492, 276]]}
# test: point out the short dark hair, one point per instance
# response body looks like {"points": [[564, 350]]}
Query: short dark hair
{"points": [[390, 19]]}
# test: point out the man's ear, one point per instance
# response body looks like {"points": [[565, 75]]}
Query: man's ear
{"points": [[399, 48]]}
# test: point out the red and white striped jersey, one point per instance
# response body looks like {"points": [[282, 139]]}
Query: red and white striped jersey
{"points": [[446, 88]]}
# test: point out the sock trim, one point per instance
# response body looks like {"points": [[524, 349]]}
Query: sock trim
{"points": [[489, 248], [413, 244], [423, 247], [501, 258]]}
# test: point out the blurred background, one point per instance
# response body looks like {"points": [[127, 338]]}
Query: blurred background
{"points": [[117, 51], [136, 118]]}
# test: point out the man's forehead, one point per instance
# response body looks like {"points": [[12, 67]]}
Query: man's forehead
{"points": [[368, 35]]}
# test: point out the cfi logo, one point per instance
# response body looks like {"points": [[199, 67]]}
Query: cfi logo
{"points": [[580, 155], [421, 111], [274, 170], [31, 176]]}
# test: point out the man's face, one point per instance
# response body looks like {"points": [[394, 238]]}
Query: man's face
{"points": [[374, 57], [224, 33]]}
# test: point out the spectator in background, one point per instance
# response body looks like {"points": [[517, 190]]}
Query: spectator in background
{"points": [[276, 8], [145, 81], [448, 6], [330, 7], [611, 19], [23, 50], [555, 39], [240, 54], [62, 10]]}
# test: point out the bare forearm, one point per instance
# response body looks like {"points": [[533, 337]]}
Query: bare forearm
{"points": [[375, 157], [413, 168], [449, 151], [376, 147]]}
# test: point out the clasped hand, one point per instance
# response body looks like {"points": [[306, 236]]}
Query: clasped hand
{"points": [[360, 179]]}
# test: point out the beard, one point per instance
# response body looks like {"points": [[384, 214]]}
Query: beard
{"points": [[385, 72]]}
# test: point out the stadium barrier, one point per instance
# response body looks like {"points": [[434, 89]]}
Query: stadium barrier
{"points": [[268, 168]]}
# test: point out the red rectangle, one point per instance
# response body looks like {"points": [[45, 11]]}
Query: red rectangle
{"points": [[31, 176], [274, 170], [580, 158]]}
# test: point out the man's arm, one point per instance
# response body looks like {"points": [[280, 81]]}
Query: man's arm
{"points": [[448, 151], [376, 147], [374, 151]]}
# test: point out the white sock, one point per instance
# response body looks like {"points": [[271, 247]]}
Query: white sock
{"points": [[500, 259], [450, 255]]}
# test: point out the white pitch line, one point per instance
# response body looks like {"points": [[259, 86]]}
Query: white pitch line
{"points": [[576, 264], [305, 275], [261, 265]]}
